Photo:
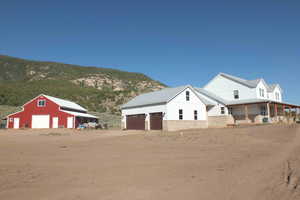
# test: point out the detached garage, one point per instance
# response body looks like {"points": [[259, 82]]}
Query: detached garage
{"points": [[49, 112], [169, 109]]}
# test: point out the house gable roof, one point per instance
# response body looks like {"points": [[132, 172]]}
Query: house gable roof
{"points": [[250, 83], [272, 87], [160, 97]]}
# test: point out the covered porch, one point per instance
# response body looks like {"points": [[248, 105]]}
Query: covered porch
{"points": [[264, 112]]}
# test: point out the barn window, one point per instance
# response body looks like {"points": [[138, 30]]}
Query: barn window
{"points": [[187, 95], [222, 110], [195, 115], [180, 114], [236, 94], [41, 103]]}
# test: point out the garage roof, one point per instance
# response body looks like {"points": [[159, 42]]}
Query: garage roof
{"points": [[160, 97]]}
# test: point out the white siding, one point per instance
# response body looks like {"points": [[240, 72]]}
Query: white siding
{"points": [[261, 86], [224, 88], [215, 110], [171, 109], [188, 107], [272, 95]]}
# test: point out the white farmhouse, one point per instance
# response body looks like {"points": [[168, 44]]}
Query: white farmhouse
{"points": [[225, 100]]}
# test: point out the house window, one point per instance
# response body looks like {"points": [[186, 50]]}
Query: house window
{"points": [[263, 110], [236, 94], [277, 96], [261, 92], [195, 115], [230, 111], [222, 110], [180, 114], [41, 103], [187, 95]]}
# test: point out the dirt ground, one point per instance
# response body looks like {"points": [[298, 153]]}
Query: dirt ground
{"points": [[229, 164]]}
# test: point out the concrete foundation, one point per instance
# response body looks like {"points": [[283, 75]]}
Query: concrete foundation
{"points": [[123, 125], [219, 121], [176, 125]]}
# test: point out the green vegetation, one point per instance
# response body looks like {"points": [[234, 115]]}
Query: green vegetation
{"points": [[6, 110], [21, 80], [15, 69]]}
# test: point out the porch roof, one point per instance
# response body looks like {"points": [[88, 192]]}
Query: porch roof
{"points": [[260, 101], [77, 114]]}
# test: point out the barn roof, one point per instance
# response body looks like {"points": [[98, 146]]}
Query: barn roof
{"points": [[65, 103], [160, 97], [78, 114]]}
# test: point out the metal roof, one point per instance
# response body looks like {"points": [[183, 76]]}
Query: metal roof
{"points": [[211, 95], [77, 114], [160, 97], [249, 83], [247, 101], [272, 87], [65, 103], [254, 101]]}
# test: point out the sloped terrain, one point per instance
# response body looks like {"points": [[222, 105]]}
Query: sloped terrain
{"points": [[260, 163], [98, 89]]}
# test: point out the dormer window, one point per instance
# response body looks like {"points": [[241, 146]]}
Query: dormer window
{"points": [[277, 96], [187, 96], [41, 103], [236, 94], [261, 92]]}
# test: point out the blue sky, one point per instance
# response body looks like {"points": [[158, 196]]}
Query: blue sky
{"points": [[175, 42]]}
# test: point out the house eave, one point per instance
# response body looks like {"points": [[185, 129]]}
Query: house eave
{"points": [[145, 105]]}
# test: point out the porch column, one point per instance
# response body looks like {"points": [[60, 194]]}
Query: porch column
{"points": [[268, 107], [246, 113], [276, 110]]}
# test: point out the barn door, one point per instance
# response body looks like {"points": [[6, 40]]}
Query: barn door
{"points": [[16, 123], [156, 121], [70, 122], [55, 122]]}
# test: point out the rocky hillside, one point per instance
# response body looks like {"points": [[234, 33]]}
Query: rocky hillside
{"points": [[98, 89]]}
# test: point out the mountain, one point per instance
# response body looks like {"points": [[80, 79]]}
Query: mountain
{"points": [[98, 89]]}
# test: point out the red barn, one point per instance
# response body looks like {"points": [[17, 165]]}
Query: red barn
{"points": [[49, 112]]}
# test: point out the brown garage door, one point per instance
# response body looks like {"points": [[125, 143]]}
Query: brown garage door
{"points": [[135, 122], [156, 121]]}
